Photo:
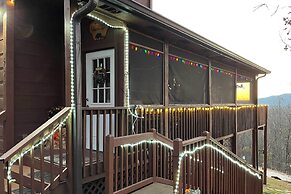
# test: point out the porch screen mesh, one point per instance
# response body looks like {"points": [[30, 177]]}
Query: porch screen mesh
{"points": [[188, 83], [145, 71], [223, 86]]}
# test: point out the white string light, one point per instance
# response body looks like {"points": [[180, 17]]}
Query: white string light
{"points": [[190, 152], [126, 55], [32, 147], [150, 141]]}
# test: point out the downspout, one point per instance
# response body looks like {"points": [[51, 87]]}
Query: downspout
{"points": [[76, 92]]}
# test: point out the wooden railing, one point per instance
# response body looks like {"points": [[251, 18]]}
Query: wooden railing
{"points": [[135, 161], [208, 166], [172, 122], [39, 162]]}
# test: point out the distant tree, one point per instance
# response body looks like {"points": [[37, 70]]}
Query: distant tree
{"points": [[275, 8]]}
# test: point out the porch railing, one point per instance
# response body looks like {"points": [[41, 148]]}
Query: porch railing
{"points": [[135, 161], [172, 122], [210, 167], [39, 162]]}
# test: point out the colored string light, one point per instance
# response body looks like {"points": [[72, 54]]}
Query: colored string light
{"points": [[145, 50]]}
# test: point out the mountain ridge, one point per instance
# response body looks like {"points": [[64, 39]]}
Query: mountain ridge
{"points": [[283, 100]]}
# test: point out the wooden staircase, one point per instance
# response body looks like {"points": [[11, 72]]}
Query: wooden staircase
{"points": [[40, 162]]}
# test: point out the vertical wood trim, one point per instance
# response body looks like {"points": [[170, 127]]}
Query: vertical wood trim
{"points": [[9, 78], [67, 19], [166, 74], [77, 129], [234, 147], [255, 128], [266, 147], [209, 96], [178, 148], [109, 164], [165, 87]]}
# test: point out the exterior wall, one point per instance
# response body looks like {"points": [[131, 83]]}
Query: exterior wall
{"points": [[39, 69], [2, 94]]}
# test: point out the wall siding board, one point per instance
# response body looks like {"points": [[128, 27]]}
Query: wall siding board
{"points": [[39, 53]]}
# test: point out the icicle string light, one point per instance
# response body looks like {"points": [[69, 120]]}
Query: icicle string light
{"points": [[150, 141], [206, 145]]}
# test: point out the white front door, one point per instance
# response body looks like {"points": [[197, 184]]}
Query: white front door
{"points": [[100, 78], [99, 93]]}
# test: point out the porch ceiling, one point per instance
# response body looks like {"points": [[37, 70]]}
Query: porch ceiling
{"points": [[145, 20]]}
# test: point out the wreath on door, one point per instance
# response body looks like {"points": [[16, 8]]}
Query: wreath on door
{"points": [[99, 75]]}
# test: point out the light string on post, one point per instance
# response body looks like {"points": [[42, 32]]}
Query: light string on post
{"points": [[207, 145]]}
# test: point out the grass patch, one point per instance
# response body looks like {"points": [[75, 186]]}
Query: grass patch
{"points": [[277, 187]]}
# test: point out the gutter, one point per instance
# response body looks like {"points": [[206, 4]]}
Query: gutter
{"points": [[76, 96]]}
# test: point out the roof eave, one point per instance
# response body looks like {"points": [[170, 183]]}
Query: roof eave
{"points": [[147, 13]]}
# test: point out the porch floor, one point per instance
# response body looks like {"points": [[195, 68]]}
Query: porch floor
{"points": [[156, 188]]}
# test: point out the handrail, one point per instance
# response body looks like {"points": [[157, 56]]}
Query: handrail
{"points": [[133, 139], [2, 115], [234, 155], [56, 119]]}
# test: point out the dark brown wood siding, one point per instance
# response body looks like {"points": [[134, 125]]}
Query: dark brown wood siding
{"points": [[39, 63], [2, 77]]}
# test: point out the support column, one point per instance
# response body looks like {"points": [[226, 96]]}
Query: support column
{"points": [[266, 147], [165, 86], [234, 143], [255, 128], [209, 97]]}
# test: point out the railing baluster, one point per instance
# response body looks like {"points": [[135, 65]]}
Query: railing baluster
{"points": [[84, 142], [32, 157], [91, 144], [20, 166], [2, 176]]}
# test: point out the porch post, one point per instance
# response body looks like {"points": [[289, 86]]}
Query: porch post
{"points": [[166, 88], [178, 149], [234, 143], [108, 164], [209, 96], [266, 147], [77, 116]]}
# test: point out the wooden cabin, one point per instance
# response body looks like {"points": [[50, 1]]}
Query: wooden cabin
{"points": [[143, 100]]}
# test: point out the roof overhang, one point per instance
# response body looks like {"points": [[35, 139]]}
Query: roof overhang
{"points": [[145, 20]]}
